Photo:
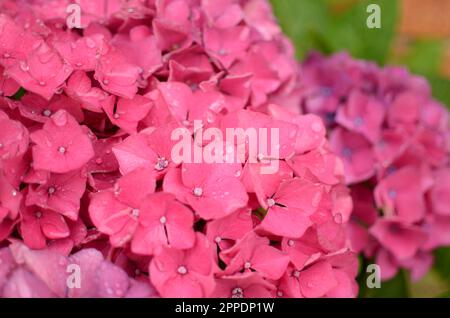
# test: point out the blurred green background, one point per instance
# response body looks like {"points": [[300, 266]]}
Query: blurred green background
{"points": [[415, 33], [335, 25]]}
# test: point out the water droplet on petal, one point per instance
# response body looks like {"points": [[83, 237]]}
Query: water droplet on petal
{"points": [[135, 212], [90, 43], [392, 194], [161, 164], [24, 66], [60, 118], [62, 261], [182, 270], [338, 218], [198, 192], [210, 117]]}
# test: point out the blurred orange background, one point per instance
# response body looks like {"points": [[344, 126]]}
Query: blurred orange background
{"points": [[425, 19]]}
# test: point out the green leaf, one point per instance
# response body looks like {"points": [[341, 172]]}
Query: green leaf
{"points": [[19, 94], [303, 21], [313, 24], [441, 91], [424, 57], [349, 31], [431, 285], [444, 295], [442, 262]]}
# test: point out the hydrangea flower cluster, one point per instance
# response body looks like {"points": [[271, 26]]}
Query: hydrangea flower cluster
{"points": [[393, 138], [87, 174], [26, 273]]}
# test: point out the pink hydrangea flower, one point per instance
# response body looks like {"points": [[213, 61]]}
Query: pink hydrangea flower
{"points": [[189, 273], [391, 136], [212, 190], [32, 274], [88, 175], [61, 145]]}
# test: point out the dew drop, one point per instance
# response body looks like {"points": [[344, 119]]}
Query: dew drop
{"points": [[338, 218], [60, 118], [182, 270], [198, 192], [90, 43], [135, 212], [392, 194], [24, 66], [161, 164], [62, 261]]}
